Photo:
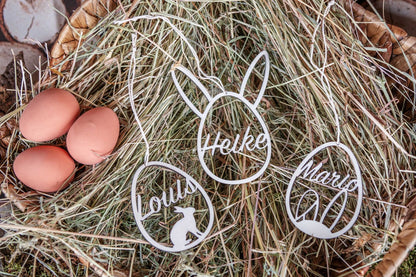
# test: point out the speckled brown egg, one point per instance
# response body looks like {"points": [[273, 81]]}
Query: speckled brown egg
{"points": [[49, 115], [93, 136], [44, 168]]}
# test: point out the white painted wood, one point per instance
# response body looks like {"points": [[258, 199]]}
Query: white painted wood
{"points": [[179, 231], [213, 101], [345, 185]]}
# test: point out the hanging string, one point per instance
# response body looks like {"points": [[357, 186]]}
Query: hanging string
{"points": [[132, 68], [201, 73], [131, 75], [324, 79]]}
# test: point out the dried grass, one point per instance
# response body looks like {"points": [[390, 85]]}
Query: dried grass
{"points": [[91, 222]]}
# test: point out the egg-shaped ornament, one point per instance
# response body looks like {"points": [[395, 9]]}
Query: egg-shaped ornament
{"points": [[233, 142], [93, 136], [325, 193], [164, 201], [44, 168], [49, 115]]}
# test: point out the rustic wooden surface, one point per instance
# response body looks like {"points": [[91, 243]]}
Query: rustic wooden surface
{"points": [[71, 6]]}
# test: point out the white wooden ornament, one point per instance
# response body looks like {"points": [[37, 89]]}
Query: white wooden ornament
{"points": [[261, 142], [345, 185], [179, 231]]}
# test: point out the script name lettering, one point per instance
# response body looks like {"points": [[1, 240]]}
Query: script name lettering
{"points": [[310, 173], [155, 203], [226, 146]]}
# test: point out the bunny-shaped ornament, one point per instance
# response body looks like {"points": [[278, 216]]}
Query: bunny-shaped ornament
{"points": [[247, 142]]}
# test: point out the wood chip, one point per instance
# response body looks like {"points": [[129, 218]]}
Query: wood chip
{"points": [[32, 21]]}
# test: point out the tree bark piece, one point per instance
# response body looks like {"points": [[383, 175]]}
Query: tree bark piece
{"points": [[81, 21], [31, 55], [12, 55], [31, 21]]}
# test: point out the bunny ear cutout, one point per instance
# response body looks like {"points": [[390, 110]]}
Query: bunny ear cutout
{"points": [[340, 198], [266, 75], [195, 81]]}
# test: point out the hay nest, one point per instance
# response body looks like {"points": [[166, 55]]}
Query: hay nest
{"points": [[90, 227]]}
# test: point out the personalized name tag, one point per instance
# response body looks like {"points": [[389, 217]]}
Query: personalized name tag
{"points": [[215, 147], [227, 146], [318, 196], [186, 226]]}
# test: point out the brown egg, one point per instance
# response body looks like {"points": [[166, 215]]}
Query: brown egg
{"points": [[93, 136], [44, 168], [49, 115]]}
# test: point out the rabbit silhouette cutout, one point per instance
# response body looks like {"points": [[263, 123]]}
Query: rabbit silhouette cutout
{"points": [[186, 225], [248, 142], [182, 227]]}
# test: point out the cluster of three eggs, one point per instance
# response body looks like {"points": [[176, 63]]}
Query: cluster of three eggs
{"points": [[52, 113]]}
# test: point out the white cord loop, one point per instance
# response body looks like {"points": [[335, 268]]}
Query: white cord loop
{"points": [[324, 79], [201, 73], [131, 74]]}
